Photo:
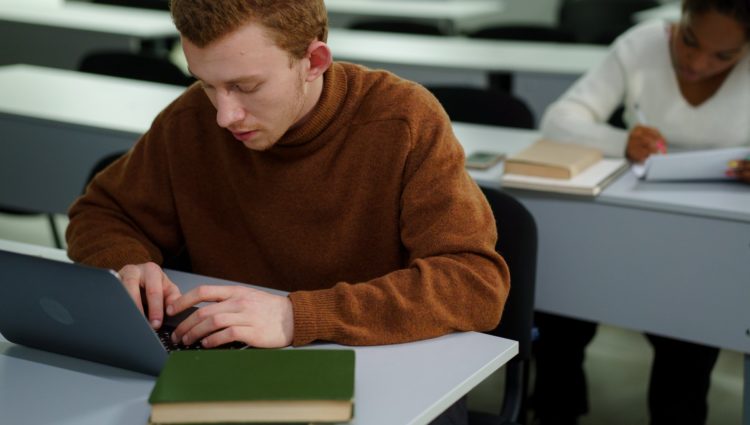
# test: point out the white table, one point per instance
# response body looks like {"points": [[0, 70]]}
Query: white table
{"points": [[394, 384], [59, 123], [59, 34], [667, 258], [461, 53], [56, 124], [542, 71], [452, 16], [671, 259]]}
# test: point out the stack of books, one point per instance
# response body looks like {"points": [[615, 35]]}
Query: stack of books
{"points": [[561, 167]]}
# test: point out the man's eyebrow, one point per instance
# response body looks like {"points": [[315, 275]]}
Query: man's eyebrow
{"points": [[238, 80]]}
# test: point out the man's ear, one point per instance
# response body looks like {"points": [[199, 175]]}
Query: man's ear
{"points": [[320, 59]]}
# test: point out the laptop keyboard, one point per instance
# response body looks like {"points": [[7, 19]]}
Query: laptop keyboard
{"points": [[165, 336], [170, 323]]}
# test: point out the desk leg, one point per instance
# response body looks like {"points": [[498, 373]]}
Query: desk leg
{"points": [[746, 393]]}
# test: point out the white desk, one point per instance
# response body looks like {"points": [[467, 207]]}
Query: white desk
{"points": [[451, 15], [542, 70], [671, 259], [59, 34], [462, 53], [395, 384], [57, 124], [668, 258]]}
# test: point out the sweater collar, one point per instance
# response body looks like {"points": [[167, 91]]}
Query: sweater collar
{"points": [[323, 113]]}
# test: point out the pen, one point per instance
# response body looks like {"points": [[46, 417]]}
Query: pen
{"points": [[642, 120], [639, 115]]}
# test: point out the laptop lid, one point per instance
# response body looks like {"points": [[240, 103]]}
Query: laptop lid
{"points": [[75, 310]]}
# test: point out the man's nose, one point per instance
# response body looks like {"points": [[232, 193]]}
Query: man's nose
{"points": [[228, 110]]}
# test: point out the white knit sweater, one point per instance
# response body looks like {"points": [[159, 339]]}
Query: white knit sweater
{"points": [[638, 70]]}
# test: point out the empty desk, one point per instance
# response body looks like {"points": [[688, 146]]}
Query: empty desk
{"points": [[452, 16], [666, 258], [56, 124], [59, 35], [543, 71]]}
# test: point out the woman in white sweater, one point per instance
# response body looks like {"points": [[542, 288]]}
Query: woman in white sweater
{"points": [[686, 84], [683, 86]]}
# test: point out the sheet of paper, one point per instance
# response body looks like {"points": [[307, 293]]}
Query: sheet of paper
{"points": [[710, 164]]}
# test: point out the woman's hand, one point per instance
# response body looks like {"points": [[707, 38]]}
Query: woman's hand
{"points": [[644, 141], [740, 169]]}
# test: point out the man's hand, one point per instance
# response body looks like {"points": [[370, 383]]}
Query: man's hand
{"points": [[157, 287], [644, 141], [257, 318], [740, 169]]}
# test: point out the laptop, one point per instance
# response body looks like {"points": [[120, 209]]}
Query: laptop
{"points": [[80, 311]]}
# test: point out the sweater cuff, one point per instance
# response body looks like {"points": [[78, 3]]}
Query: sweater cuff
{"points": [[314, 316]]}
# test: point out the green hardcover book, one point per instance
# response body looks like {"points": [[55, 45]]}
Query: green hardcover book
{"points": [[254, 386]]}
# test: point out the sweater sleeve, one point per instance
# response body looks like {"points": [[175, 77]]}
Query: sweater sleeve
{"points": [[127, 211], [453, 279], [581, 114]]}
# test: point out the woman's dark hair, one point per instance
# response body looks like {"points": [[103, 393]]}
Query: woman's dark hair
{"points": [[737, 9]]}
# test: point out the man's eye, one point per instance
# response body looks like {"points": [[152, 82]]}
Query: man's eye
{"points": [[246, 89]]}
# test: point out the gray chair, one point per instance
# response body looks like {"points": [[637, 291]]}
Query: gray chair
{"points": [[398, 26], [54, 230], [144, 66], [141, 4], [484, 106], [517, 243], [599, 21]]}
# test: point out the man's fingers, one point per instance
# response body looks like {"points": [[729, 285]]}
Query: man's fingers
{"points": [[203, 293], [208, 325], [130, 278], [154, 289], [229, 335]]}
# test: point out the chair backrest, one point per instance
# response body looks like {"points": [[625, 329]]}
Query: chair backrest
{"points": [[599, 21], [402, 26], [137, 66], [141, 4], [518, 32], [101, 165], [517, 243], [484, 106], [524, 33]]}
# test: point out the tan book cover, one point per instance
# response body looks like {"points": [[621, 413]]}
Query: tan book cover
{"points": [[550, 159], [588, 183]]}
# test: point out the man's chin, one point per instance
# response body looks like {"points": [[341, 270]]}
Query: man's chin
{"points": [[257, 144]]}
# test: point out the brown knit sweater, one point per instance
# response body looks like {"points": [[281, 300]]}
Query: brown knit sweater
{"points": [[364, 213]]}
